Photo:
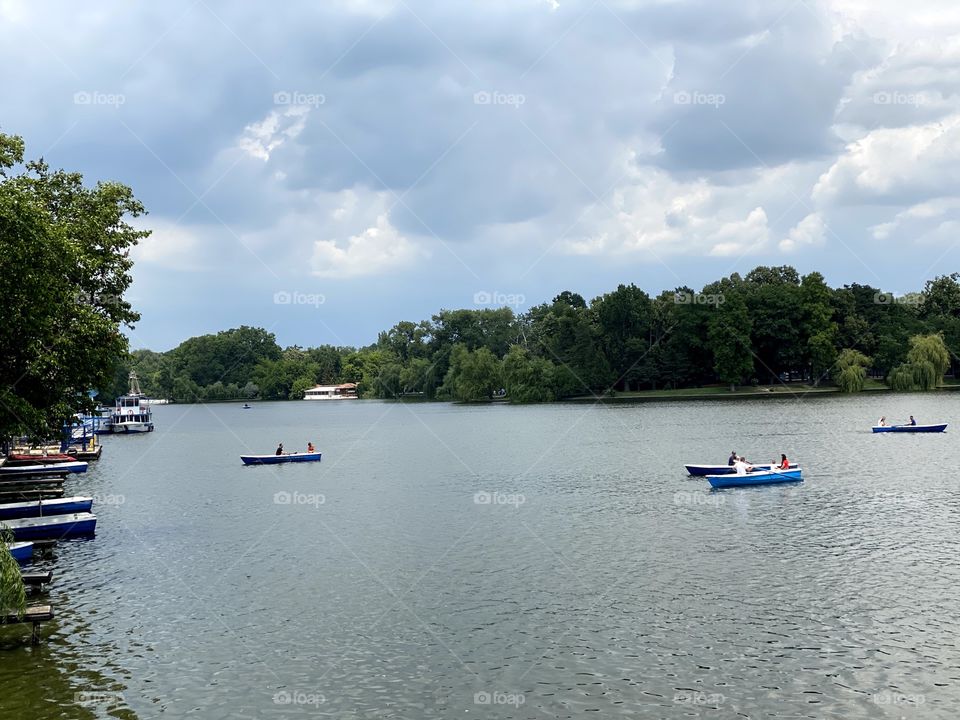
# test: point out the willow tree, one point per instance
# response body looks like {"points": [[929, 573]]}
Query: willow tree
{"points": [[64, 268], [850, 370], [13, 596], [927, 361]]}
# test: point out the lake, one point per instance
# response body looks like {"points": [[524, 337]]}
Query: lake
{"points": [[545, 561]]}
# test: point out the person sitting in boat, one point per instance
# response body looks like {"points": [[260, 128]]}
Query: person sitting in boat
{"points": [[882, 422], [784, 463], [732, 460], [912, 421], [742, 466], [279, 449], [310, 447]]}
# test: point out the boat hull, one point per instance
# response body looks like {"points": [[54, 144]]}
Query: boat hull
{"points": [[703, 470], [55, 526], [278, 459], [45, 508], [911, 428], [755, 478], [21, 551], [129, 428], [57, 468]]}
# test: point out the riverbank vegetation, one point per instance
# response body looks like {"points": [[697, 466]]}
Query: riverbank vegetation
{"points": [[771, 327]]}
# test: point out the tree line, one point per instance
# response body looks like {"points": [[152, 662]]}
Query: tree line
{"points": [[770, 326]]}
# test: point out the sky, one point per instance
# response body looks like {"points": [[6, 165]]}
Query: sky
{"points": [[328, 169]]}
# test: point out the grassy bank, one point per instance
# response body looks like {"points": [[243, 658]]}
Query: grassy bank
{"points": [[722, 392]]}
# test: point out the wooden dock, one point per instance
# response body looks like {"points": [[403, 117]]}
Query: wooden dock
{"points": [[35, 615]]}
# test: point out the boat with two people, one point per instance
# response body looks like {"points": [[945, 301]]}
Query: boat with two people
{"points": [[910, 426], [279, 456]]}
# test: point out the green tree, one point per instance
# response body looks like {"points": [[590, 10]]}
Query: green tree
{"points": [[927, 360], [728, 335], [850, 370], [528, 379], [13, 597], [472, 375], [64, 269]]}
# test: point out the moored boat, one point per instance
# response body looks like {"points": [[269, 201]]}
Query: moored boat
{"points": [[277, 459], [21, 551], [702, 470], [58, 468], [910, 428], [45, 508], [20, 459], [55, 526], [132, 413], [761, 477]]}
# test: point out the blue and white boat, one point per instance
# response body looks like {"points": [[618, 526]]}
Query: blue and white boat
{"points": [[55, 526], [132, 413], [757, 477], [277, 459], [58, 468], [701, 470], [45, 508], [910, 428], [21, 551]]}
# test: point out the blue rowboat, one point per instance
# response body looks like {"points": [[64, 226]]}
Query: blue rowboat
{"points": [[701, 470], [762, 477], [46, 469], [55, 526], [277, 459], [44, 508], [910, 428], [21, 551]]}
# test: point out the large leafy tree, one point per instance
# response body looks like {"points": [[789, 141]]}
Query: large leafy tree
{"points": [[64, 270]]}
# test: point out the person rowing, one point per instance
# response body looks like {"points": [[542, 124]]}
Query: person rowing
{"points": [[882, 422], [912, 421], [784, 463], [279, 449], [732, 460]]}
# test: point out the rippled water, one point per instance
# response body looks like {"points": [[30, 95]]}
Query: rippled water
{"points": [[598, 579]]}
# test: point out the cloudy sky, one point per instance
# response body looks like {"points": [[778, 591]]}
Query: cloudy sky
{"points": [[326, 169]]}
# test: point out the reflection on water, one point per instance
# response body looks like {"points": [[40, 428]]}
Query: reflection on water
{"points": [[508, 562]]}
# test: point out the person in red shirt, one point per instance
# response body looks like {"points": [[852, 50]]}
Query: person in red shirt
{"points": [[784, 463]]}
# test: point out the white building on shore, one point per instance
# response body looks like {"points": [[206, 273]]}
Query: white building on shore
{"points": [[346, 391]]}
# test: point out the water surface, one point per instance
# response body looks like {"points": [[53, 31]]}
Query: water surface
{"points": [[517, 562]]}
